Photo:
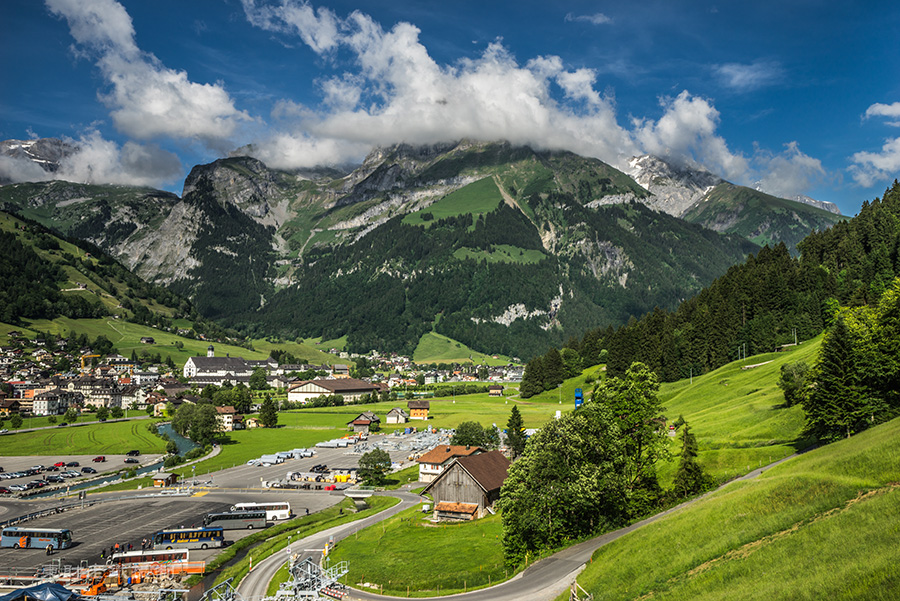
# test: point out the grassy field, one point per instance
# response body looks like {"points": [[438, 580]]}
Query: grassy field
{"points": [[414, 553], [502, 253], [437, 348], [823, 525], [109, 438], [737, 414], [477, 198]]}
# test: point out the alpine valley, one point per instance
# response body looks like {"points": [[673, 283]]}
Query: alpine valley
{"points": [[505, 249]]}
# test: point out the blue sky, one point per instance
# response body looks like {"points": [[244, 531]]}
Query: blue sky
{"points": [[798, 97]]}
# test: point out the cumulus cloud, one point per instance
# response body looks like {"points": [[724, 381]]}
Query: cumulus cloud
{"points": [[100, 161], [869, 168], [744, 78], [789, 173], [147, 99], [885, 110], [687, 130], [595, 19]]}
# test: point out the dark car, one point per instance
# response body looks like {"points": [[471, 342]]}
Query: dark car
{"points": [[72, 464], [61, 424], [134, 453], [52, 468], [131, 460], [55, 478], [88, 470]]}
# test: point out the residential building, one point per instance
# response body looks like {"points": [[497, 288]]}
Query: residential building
{"points": [[432, 463], [469, 487], [397, 416], [418, 409], [303, 391]]}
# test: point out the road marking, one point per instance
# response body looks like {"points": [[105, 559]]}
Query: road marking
{"points": [[200, 494]]}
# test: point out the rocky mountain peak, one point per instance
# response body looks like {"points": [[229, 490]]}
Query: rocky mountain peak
{"points": [[242, 181], [44, 152], [674, 188]]}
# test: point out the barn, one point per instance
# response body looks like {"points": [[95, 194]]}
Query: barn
{"points": [[469, 487]]}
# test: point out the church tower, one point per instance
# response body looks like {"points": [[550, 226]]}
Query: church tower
{"points": [[210, 351]]}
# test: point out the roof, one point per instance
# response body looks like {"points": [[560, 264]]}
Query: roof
{"points": [[439, 455], [448, 507], [489, 469], [419, 404], [42, 592], [341, 385], [228, 409]]}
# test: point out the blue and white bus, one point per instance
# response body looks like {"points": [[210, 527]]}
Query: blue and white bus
{"points": [[189, 538], [35, 538]]}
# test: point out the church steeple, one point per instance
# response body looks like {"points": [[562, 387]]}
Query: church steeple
{"points": [[210, 351]]}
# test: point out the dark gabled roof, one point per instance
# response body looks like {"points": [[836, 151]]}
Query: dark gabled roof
{"points": [[489, 469], [418, 404]]}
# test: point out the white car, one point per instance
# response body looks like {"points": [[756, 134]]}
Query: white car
{"points": [[4, 431]]}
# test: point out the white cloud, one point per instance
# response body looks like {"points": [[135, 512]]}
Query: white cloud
{"points": [[885, 110], [744, 78], [686, 131], [789, 173], [147, 99], [101, 161], [595, 19], [871, 167]]}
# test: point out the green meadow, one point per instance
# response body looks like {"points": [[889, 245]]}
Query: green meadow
{"points": [[437, 348], [823, 525], [413, 555], [477, 198], [501, 253], [108, 438]]}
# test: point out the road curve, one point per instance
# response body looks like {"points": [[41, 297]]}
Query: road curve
{"points": [[257, 581], [542, 581]]}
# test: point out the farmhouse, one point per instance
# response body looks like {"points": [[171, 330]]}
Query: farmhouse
{"points": [[418, 409], [495, 390], [364, 422], [432, 463], [469, 487], [351, 389]]}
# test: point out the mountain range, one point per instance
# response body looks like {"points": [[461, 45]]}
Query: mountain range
{"points": [[505, 248]]}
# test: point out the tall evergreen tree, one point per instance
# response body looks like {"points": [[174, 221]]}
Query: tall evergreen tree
{"points": [[689, 478], [268, 413], [515, 438], [532, 379], [837, 404], [554, 369]]}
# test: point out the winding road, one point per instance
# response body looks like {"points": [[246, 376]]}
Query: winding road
{"points": [[542, 581]]}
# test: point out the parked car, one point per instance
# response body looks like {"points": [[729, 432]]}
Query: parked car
{"points": [[55, 478], [52, 468], [59, 464], [131, 460], [37, 468], [61, 424], [18, 488], [133, 453], [88, 470], [4, 490], [36, 484], [4, 431], [72, 464], [99, 459]]}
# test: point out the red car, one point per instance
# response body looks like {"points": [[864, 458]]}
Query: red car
{"points": [[99, 459], [60, 464]]}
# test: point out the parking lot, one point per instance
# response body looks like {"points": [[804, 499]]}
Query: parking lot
{"points": [[80, 464]]}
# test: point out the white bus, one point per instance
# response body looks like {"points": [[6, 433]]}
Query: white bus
{"points": [[150, 556], [274, 510], [237, 520]]}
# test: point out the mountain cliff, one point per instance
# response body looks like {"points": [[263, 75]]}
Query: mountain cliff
{"points": [[502, 247]]}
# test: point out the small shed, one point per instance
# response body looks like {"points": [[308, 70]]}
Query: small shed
{"points": [[164, 479], [397, 416]]}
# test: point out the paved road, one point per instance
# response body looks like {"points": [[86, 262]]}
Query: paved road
{"points": [[257, 581]]}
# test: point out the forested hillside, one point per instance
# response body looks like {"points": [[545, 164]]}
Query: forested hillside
{"points": [[762, 303]]}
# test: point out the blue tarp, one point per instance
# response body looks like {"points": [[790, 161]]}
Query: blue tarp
{"points": [[41, 592]]}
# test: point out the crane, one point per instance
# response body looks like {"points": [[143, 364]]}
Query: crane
{"points": [[83, 357]]}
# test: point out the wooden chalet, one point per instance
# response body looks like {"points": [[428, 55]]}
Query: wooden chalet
{"points": [[469, 487]]}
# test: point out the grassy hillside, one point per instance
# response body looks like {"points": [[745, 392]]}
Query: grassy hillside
{"points": [[436, 348], [737, 414], [476, 199], [820, 526], [90, 439]]}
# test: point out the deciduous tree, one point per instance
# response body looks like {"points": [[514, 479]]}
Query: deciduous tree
{"points": [[374, 466]]}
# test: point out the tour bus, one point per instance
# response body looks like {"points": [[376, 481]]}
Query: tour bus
{"points": [[237, 520], [189, 538], [35, 538], [274, 511], [150, 556]]}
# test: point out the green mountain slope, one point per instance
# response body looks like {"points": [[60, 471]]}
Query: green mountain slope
{"points": [[757, 216]]}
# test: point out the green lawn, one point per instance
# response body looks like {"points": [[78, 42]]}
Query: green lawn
{"points": [[477, 198], [414, 553], [437, 348], [502, 253], [823, 525], [110, 438]]}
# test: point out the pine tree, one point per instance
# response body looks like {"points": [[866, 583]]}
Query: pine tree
{"points": [[554, 369], [268, 413], [689, 478], [515, 438], [532, 379]]}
